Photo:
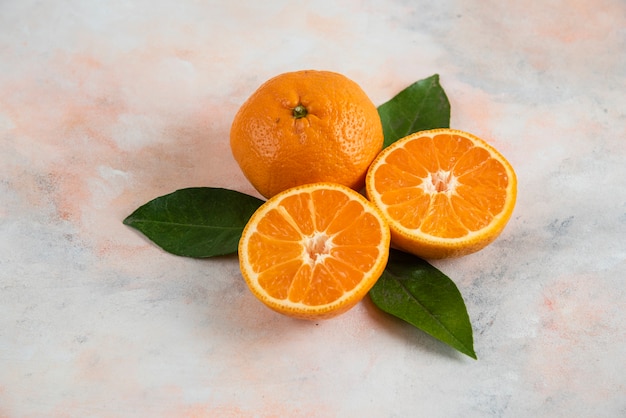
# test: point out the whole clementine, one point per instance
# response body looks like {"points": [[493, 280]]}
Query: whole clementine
{"points": [[305, 127]]}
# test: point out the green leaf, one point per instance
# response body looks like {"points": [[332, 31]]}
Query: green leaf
{"points": [[415, 291], [195, 222], [421, 106]]}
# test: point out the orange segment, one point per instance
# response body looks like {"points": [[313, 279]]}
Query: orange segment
{"points": [[444, 192], [314, 251]]}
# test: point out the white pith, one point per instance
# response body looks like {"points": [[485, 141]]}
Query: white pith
{"points": [[441, 181]]}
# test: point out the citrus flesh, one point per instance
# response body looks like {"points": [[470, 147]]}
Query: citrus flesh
{"points": [[314, 251], [304, 127], [444, 192]]}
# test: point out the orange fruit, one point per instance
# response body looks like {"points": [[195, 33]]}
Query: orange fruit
{"points": [[314, 251], [444, 192], [305, 127]]}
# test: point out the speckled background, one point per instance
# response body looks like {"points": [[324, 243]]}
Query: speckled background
{"points": [[106, 105]]}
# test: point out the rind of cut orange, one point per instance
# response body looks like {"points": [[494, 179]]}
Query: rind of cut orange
{"points": [[444, 192], [314, 251]]}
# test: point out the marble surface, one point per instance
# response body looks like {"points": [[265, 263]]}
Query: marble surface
{"points": [[106, 105]]}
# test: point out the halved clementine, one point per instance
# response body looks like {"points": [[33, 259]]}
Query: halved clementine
{"points": [[314, 251], [444, 192]]}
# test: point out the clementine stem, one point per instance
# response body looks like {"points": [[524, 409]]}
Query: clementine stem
{"points": [[299, 111]]}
